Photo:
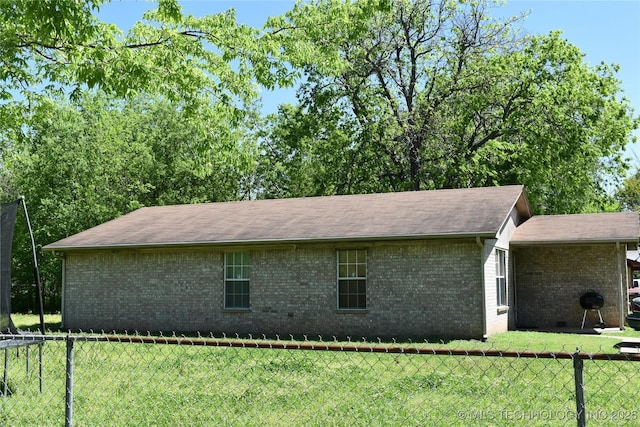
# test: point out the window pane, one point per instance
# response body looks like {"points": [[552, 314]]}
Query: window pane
{"points": [[342, 270], [501, 277], [352, 294], [244, 288], [351, 287], [343, 301], [343, 287], [353, 301], [352, 264], [500, 263], [352, 270], [237, 294], [362, 301]]}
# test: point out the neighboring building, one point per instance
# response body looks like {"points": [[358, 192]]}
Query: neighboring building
{"points": [[633, 266], [462, 263]]}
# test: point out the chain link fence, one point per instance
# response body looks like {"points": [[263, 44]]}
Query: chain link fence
{"points": [[133, 380]]}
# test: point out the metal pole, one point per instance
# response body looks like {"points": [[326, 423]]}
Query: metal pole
{"points": [[36, 271], [580, 405], [5, 379], [40, 367], [68, 414]]}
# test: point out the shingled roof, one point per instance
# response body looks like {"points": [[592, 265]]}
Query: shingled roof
{"points": [[622, 227], [407, 215]]}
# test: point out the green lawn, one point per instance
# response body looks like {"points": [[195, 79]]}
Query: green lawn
{"points": [[512, 340], [166, 385], [31, 322]]}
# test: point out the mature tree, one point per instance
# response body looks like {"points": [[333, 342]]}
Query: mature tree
{"points": [[75, 171], [305, 154], [210, 66], [83, 163], [193, 159], [63, 43], [436, 94], [629, 194]]}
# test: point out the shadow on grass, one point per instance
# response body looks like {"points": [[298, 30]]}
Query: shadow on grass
{"points": [[53, 326]]}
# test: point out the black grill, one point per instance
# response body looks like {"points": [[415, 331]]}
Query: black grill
{"points": [[591, 301]]}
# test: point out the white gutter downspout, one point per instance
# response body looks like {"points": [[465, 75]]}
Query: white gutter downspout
{"points": [[514, 285], [484, 292], [64, 280], [621, 282]]}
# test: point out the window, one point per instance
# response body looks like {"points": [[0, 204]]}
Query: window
{"points": [[501, 277], [352, 279], [237, 267]]}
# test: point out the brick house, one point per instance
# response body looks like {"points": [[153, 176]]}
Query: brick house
{"points": [[462, 263]]}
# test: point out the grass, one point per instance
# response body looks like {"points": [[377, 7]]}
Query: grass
{"points": [[165, 385], [512, 340], [31, 322]]}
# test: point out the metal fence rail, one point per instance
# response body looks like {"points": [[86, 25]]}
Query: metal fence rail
{"points": [[132, 380]]}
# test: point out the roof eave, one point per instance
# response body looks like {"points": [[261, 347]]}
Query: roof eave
{"points": [[267, 242], [573, 242]]}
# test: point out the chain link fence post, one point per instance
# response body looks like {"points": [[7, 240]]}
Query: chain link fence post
{"points": [[40, 372], [68, 414], [5, 377], [580, 406]]}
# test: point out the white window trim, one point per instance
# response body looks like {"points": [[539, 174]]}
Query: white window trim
{"points": [[339, 278], [236, 279], [501, 263]]}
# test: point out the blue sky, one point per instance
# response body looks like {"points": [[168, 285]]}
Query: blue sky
{"points": [[605, 30]]}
